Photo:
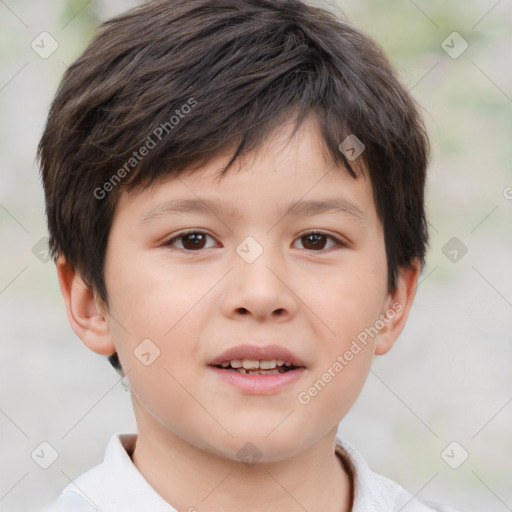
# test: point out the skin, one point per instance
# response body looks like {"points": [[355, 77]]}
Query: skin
{"points": [[193, 305]]}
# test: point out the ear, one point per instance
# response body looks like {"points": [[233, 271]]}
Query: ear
{"points": [[86, 314], [397, 307]]}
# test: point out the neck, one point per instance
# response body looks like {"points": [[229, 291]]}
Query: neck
{"points": [[191, 479]]}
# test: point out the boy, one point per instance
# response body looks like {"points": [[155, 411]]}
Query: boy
{"points": [[235, 200]]}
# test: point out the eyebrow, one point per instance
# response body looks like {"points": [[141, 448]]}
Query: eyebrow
{"points": [[218, 208]]}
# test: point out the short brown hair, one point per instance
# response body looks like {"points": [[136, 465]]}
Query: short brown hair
{"points": [[218, 75]]}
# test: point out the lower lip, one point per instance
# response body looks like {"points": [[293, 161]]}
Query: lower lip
{"points": [[259, 384]]}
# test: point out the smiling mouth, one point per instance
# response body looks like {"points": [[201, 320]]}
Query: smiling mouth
{"points": [[253, 367]]}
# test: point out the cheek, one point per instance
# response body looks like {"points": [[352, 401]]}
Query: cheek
{"points": [[347, 307], [348, 302], [150, 297], [151, 322]]}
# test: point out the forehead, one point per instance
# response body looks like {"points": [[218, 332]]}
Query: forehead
{"points": [[288, 172]]}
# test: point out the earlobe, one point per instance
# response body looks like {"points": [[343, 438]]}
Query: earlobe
{"points": [[86, 315], [397, 308]]}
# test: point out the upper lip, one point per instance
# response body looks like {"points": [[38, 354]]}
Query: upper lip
{"points": [[257, 353]]}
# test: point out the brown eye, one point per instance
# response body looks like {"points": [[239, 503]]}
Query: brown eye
{"points": [[194, 241], [314, 241], [190, 241], [318, 241]]}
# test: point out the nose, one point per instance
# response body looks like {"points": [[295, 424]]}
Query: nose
{"points": [[261, 289]]}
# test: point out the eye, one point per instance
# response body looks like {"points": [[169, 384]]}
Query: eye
{"points": [[317, 241], [190, 240], [194, 241]]}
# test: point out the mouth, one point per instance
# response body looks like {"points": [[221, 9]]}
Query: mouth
{"points": [[257, 367], [251, 359]]}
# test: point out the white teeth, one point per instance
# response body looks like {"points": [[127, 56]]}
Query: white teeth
{"points": [[268, 364], [250, 364], [253, 364]]}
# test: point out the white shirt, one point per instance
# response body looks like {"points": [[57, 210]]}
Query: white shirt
{"points": [[116, 485]]}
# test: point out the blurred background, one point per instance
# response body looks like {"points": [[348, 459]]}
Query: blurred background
{"points": [[436, 412]]}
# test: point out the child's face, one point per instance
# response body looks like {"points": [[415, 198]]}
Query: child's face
{"points": [[309, 296]]}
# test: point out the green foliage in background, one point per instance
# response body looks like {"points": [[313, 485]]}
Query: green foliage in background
{"points": [[82, 17]]}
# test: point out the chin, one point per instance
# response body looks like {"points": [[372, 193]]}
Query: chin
{"points": [[263, 443]]}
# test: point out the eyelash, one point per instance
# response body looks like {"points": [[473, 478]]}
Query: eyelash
{"points": [[169, 243]]}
